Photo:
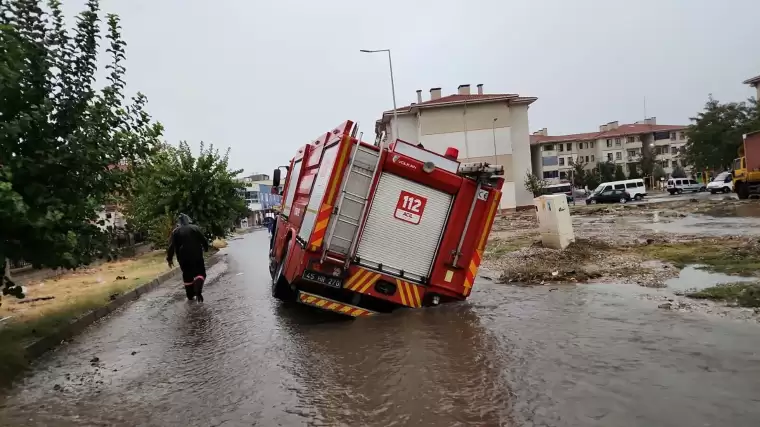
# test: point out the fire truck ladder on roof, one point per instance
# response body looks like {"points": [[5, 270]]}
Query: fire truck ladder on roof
{"points": [[348, 216]]}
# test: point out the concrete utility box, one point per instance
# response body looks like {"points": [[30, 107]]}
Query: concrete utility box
{"points": [[554, 221]]}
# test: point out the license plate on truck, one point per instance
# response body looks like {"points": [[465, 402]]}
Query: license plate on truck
{"points": [[313, 276]]}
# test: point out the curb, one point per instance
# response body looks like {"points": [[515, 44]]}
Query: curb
{"points": [[75, 327]]}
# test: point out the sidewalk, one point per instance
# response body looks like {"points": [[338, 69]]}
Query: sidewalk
{"points": [[52, 304]]}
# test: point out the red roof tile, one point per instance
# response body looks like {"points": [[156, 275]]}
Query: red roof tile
{"points": [[753, 81], [457, 99], [622, 130], [537, 139]]}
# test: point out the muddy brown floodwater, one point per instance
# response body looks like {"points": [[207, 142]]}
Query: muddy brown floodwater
{"points": [[592, 355]]}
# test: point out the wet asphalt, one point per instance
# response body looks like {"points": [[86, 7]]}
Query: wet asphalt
{"points": [[592, 355]]}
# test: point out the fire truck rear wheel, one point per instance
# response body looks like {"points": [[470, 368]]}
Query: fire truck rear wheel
{"points": [[280, 287]]}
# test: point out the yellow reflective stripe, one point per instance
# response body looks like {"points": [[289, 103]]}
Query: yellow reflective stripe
{"points": [[400, 290], [370, 282], [417, 296], [321, 225], [489, 219], [354, 278], [409, 294]]}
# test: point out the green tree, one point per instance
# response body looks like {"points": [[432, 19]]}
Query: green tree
{"points": [[619, 173], [716, 133], [606, 171], [659, 172], [174, 181], [633, 171], [648, 161], [579, 173], [678, 172], [534, 184], [65, 147], [593, 179]]}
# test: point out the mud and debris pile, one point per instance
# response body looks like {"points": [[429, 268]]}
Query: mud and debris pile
{"points": [[584, 260], [611, 246]]}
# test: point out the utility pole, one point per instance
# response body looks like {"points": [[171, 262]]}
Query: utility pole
{"points": [[493, 130], [393, 89]]}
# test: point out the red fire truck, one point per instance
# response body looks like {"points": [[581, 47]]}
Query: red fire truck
{"points": [[364, 230]]}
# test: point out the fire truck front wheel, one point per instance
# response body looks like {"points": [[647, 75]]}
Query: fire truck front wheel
{"points": [[280, 287]]}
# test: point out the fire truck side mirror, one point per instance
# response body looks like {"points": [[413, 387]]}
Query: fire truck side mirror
{"points": [[276, 178]]}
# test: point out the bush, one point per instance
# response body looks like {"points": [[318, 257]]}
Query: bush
{"points": [[534, 184]]}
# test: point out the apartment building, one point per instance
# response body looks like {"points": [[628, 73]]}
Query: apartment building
{"points": [[483, 127], [257, 192], [755, 83], [553, 156]]}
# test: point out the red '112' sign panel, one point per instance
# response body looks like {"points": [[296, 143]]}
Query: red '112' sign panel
{"points": [[410, 207]]}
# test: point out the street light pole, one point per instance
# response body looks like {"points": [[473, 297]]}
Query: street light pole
{"points": [[393, 87], [493, 130]]}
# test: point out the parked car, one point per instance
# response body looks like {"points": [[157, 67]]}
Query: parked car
{"points": [[634, 187], [679, 185], [608, 196], [723, 183]]}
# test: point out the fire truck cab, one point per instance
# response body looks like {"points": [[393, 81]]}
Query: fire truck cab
{"points": [[364, 230]]}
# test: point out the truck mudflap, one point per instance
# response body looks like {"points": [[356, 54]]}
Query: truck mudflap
{"points": [[334, 306]]}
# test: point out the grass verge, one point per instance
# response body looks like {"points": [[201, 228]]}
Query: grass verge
{"points": [[74, 295], [742, 294], [499, 246], [734, 257]]}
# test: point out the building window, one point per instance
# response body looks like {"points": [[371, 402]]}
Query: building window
{"points": [[674, 163], [560, 147], [587, 158], [551, 174], [631, 153], [569, 146], [549, 161], [617, 142], [672, 136], [682, 136], [252, 196], [562, 161], [631, 139], [609, 143], [609, 157], [618, 155], [549, 147], [563, 175], [592, 144], [674, 150], [592, 158]]}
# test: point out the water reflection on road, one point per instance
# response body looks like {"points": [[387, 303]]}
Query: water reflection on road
{"points": [[550, 356]]}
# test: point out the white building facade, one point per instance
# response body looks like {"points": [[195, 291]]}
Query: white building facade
{"points": [[553, 156], [489, 128]]}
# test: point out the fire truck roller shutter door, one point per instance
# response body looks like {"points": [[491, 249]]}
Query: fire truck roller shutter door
{"points": [[404, 227]]}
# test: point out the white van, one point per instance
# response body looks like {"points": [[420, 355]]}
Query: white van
{"points": [[679, 185], [721, 183], [634, 187]]}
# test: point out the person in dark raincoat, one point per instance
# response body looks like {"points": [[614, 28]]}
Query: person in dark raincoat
{"points": [[188, 243]]}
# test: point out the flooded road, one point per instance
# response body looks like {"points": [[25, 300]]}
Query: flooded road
{"points": [[593, 355]]}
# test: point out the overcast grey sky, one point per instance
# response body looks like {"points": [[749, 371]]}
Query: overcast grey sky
{"points": [[266, 77]]}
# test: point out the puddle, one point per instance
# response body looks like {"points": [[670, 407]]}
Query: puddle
{"points": [[702, 224], [692, 277], [751, 210]]}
